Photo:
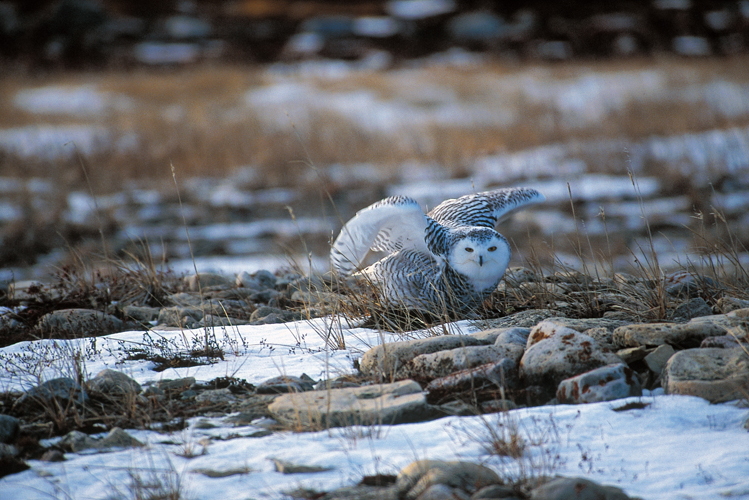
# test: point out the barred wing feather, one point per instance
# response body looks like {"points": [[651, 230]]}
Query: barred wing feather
{"points": [[485, 209], [390, 225]]}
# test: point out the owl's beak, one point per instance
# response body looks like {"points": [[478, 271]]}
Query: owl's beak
{"points": [[481, 260]]}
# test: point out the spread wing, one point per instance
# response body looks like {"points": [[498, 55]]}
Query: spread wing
{"points": [[485, 209], [389, 225]]}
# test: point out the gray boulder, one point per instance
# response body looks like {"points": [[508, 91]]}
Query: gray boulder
{"points": [[10, 428], [712, 373], [114, 383], [443, 363], [557, 352], [386, 359], [79, 323], [202, 281], [61, 389], [606, 383], [576, 488], [395, 403], [77, 441], [418, 477], [683, 335], [497, 375]]}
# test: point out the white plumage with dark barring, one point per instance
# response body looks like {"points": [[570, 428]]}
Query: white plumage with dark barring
{"points": [[449, 259]]}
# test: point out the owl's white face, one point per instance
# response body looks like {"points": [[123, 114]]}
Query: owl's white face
{"points": [[482, 260]]}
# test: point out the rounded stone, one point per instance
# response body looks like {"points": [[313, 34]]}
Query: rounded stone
{"points": [[112, 382], [10, 428], [711, 373]]}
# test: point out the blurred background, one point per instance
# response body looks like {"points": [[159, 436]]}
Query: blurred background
{"points": [[260, 126]]}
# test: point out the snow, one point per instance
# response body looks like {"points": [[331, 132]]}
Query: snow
{"points": [[676, 447], [82, 100]]}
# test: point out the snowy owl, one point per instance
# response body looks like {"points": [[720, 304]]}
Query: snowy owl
{"points": [[449, 259]]}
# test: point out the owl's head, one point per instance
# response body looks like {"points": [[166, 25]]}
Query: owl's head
{"points": [[481, 255]]}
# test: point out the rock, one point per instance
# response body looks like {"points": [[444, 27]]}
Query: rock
{"points": [[514, 335], [266, 315], [10, 428], [583, 324], [517, 275], [179, 316], [714, 374], [386, 359], [266, 296], [477, 26], [495, 491], [286, 383], [694, 308], [389, 404], [211, 320], [443, 363], [202, 281], [606, 383], [683, 335], [557, 352], [497, 405], [185, 299], [525, 319], [141, 313], [112, 382], [728, 304], [7, 451], [285, 467], [52, 456], [656, 360], [496, 375], [77, 441], [691, 46], [176, 385], [62, 389], [261, 280], [216, 397], [632, 354], [722, 342], [601, 335], [442, 492], [417, 477], [28, 290], [78, 323], [576, 488]]}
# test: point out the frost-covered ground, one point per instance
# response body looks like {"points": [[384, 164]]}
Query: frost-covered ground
{"points": [[677, 447]]}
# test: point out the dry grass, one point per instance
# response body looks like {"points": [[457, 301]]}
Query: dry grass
{"points": [[196, 119]]}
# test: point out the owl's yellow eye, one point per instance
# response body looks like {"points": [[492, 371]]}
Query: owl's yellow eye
{"points": [[491, 249]]}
